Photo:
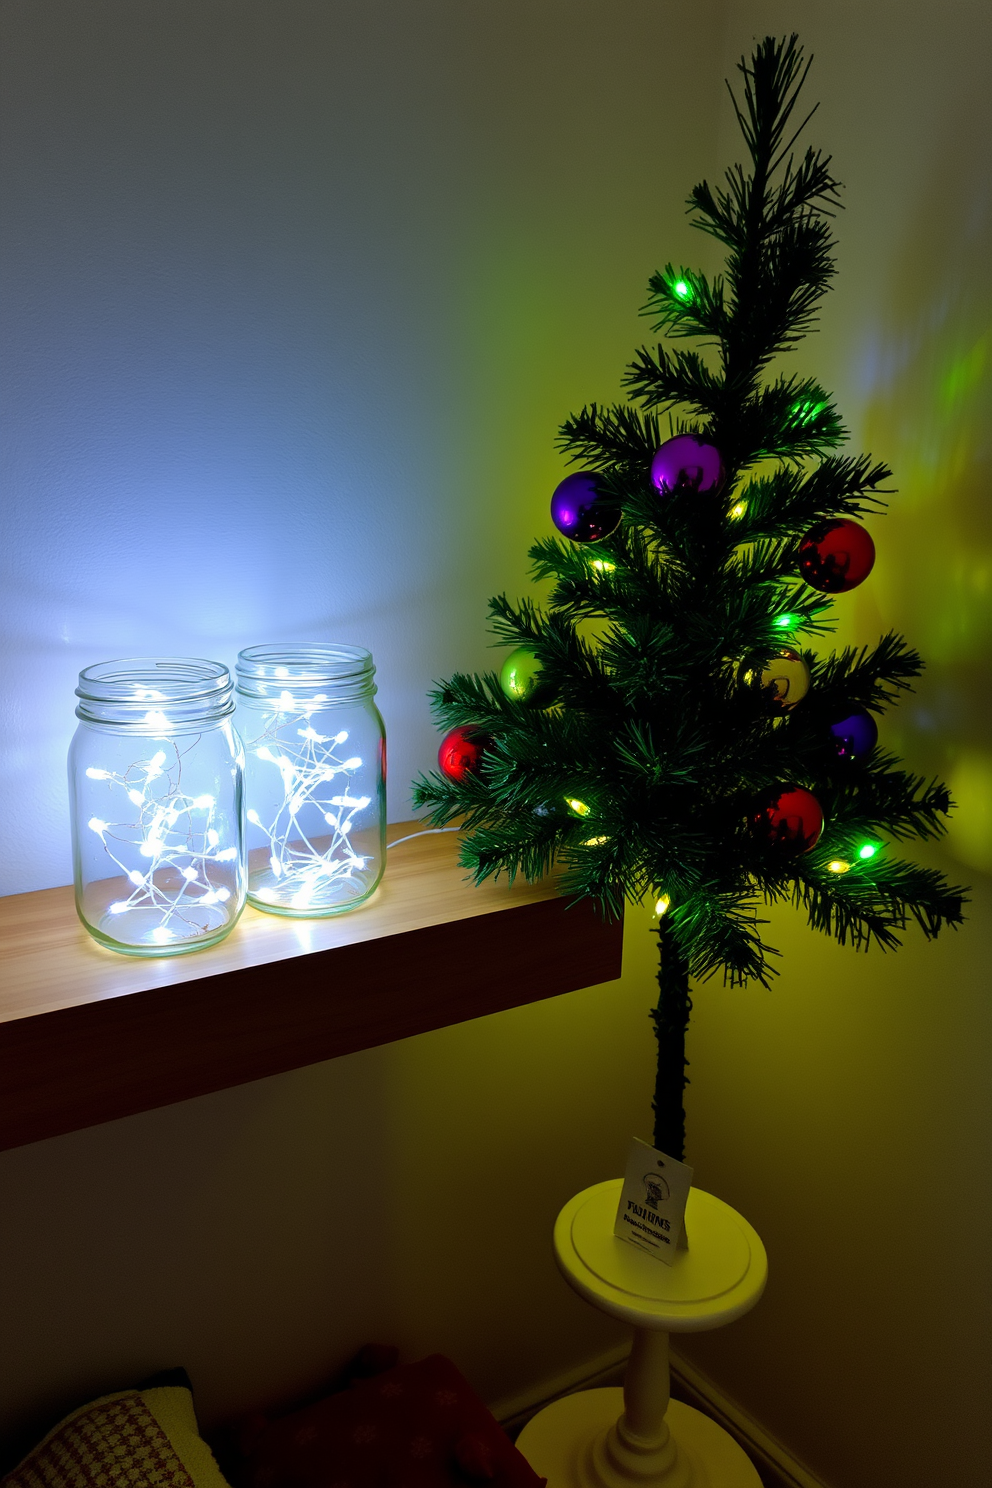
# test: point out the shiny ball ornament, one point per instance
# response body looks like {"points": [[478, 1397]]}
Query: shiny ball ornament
{"points": [[836, 556], [686, 463], [854, 735], [521, 677], [789, 819], [461, 752], [581, 511], [783, 681]]}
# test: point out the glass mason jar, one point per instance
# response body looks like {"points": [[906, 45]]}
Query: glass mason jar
{"points": [[156, 786], [315, 777]]}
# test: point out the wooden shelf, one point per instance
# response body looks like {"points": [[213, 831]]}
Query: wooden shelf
{"points": [[87, 1035]]}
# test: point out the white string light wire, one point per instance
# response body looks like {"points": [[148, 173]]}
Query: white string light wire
{"points": [[427, 832]]}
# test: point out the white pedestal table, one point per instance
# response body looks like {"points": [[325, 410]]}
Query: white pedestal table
{"points": [[615, 1438]]}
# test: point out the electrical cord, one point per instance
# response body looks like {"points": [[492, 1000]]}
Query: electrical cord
{"points": [[427, 832]]}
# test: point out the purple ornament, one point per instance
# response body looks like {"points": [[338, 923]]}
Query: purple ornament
{"points": [[581, 511], [854, 735], [686, 463]]}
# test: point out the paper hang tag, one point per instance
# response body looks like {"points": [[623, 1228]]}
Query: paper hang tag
{"points": [[651, 1213]]}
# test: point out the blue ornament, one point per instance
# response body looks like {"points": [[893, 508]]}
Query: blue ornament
{"points": [[854, 735], [581, 511]]}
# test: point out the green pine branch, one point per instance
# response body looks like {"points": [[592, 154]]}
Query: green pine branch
{"points": [[874, 906], [602, 437], [661, 379], [794, 499], [872, 677]]}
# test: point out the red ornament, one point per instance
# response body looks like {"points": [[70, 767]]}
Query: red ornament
{"points": [[836, 556], [461, 751], [789, 819]]}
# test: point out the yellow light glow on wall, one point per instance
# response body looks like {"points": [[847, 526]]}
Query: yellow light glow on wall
{"points": [[970, 829]]}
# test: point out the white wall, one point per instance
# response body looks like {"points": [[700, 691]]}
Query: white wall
{"points": [[316, 276], [296, 296]]}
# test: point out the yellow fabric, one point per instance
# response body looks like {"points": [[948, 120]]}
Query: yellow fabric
{"points": [[130, 1439], [172, 1407]]}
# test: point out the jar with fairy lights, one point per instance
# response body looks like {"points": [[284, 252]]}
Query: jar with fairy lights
{"points": [[315, 777], [156, 792]]}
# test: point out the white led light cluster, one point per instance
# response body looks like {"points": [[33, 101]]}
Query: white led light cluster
{"points": [[176, 837], [308, 833]]}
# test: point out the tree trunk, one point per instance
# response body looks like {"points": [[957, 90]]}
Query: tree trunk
{"points": [[671, 1019]]}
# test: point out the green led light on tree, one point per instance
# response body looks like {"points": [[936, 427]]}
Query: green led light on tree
{"points": [[805, 411]]}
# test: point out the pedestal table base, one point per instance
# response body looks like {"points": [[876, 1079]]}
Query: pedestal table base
{"points": [[561, 1444]]}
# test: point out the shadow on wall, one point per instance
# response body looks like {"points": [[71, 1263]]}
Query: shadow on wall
{"points": [[187, 1238], [928, 370]]}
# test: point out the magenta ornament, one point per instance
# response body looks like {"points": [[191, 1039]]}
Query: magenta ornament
{"points": [[686, 463]]}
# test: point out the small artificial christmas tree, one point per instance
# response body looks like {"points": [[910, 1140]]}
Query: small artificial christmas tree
{"points": [[685, 744]]}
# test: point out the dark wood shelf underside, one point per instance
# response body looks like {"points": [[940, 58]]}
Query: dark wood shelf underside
{"points": [[112, 1055]]}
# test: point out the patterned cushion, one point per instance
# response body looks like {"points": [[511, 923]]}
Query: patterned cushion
{"points": [[415, 1426], [133, 1439]]}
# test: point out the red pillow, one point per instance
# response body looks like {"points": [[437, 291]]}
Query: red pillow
{"points": [[414, 1426]]}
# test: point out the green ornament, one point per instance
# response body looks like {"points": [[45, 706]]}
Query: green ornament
{"points": [[520, 676]]}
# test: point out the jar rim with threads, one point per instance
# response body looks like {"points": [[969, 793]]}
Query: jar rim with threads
{"points": [[119, 692], [156, 795], [263, 671], [315, 776]]}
